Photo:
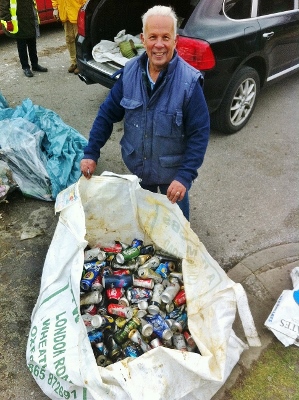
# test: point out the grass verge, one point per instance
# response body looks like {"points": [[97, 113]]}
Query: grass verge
{"points": [[275, 376]]}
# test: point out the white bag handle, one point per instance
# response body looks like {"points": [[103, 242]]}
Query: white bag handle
{"points": [[246, 316]]}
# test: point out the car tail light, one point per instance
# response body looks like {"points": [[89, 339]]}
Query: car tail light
{"points": [[197, 53], [81, 22]]}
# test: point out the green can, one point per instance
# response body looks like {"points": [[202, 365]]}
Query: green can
{"points": [[127, 254], [122, 335]]}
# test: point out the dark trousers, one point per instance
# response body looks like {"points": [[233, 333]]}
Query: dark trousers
{"points": [[25, 47], [184, 204]]}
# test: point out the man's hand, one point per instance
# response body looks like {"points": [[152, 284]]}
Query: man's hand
{"points": [[56, 14], [176, 191], [87, 167], [9, 26]]}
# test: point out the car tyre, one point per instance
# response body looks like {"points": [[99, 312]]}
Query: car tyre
{"points": [[238, 103]]}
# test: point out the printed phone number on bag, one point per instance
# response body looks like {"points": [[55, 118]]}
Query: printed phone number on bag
{"points": [[53, 381]]}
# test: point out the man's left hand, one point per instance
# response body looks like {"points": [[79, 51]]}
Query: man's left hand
{"points": [[176, 191]]}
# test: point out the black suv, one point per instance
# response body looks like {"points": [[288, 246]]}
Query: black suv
{"points": [[239, 45]]}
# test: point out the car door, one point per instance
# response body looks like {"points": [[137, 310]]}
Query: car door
{"points": [[279, 22], [45, 10]]}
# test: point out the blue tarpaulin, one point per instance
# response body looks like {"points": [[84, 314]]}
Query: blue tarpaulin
{"points": [[42, 151]]}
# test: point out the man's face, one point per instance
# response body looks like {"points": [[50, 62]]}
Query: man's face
{"points": [[159, 41]]}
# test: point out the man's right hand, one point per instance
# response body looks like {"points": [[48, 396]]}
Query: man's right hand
{"points": [[9, 26], [56, 14], [87, 167]]}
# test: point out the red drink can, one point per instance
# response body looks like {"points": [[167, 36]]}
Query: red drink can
{"points": [[91, 310], [190, 341], [120, 311], [147, 283], [114, 294], [180, 298], [116, 248], [121, 272]]}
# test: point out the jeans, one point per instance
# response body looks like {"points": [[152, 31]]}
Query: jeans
{"points": [[30, 45], [184, 204]]}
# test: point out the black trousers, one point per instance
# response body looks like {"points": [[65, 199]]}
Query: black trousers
{"points": [[25, 47]]}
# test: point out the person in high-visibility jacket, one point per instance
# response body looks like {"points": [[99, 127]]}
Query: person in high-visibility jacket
{"points": [[67, 12], [20, 20]]}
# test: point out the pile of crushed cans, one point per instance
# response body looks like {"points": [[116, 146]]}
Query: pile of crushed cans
{"points": [[133, 300]]}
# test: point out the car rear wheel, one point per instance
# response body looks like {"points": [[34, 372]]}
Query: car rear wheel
{"points": [[238, 103]]}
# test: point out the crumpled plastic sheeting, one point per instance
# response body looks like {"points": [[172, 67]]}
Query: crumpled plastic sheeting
{"points": [[3, 102], [20, 148], [7, 183], [61, 146]]}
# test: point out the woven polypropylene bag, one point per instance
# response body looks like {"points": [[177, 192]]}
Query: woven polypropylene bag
{"points": [[108, 208]]}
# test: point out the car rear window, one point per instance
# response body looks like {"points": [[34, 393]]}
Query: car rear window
{"points": [[183, 10], [267, 7], [238, 9]]}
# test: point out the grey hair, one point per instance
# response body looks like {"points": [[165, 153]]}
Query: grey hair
{"points": [[163, 11]]}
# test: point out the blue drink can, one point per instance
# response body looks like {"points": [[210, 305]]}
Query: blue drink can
{"points": [[95, 336], [137, 243], [135, 294], [94, 265], [132, 350], [90, 276], [160, 327], [180, 323], [164, 269], [175, 313], [117, 281]]}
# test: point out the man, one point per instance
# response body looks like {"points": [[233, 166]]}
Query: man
{"points": [[166, 120], [67, 12], [20, 20]]}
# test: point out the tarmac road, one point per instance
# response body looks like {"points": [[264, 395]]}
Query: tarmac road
{"points": [[245, 199]]}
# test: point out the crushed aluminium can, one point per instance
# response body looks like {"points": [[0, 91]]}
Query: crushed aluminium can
{"points": [[170, 291], [145, 283], [164, 269], [161, 328], [95, 336], [122, 335], [136, 294], [88, 298], [137, 243], [155, 343], [146, 273], [135, 337], [114, 249], [148, 249], [132, 350], [120, 311], [179, 341], [180, 298], [191, 345], [89, 277], [91, 254], [117, 281], [127, 254], [114, 294]]}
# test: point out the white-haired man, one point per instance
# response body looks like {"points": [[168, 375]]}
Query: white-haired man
{"points": [[166, 119]]}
